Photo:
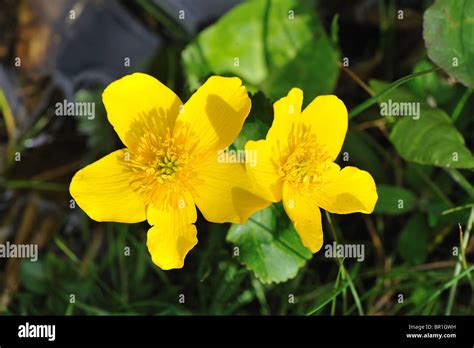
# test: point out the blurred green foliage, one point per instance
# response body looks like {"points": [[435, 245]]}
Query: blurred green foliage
{"points": [[394, 200]]}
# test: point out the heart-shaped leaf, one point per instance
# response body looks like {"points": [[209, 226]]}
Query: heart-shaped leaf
{"points": [[267, 246], [430, 137], [448, 30], [272, 45]]}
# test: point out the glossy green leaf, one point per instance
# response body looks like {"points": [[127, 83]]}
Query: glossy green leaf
{"points": [[273, 45], [431, 138], [448, 30], [267, 246], [394, 200]]}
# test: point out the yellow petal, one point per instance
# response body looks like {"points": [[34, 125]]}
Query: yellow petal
{"points": [[263, 171], [173, 234], [327, 118], [347, 191], [213, 116], [102, 190], [225, 194], [140, 102], [168, 248], [286, 113], [182, 202], [306, 217]]}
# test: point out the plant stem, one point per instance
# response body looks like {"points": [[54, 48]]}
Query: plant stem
{"points": [[458, 267], [461, 180], [434, 187], [371, 101], [357, 80], [460, 105], [344, 271], [336, 284], [452, 210]]}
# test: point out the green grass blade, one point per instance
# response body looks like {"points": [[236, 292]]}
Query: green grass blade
{"points": [[371, 101]]}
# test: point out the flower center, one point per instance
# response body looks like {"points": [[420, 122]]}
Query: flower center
{"points": [[167, 166], [305, 166], [161, 165]]}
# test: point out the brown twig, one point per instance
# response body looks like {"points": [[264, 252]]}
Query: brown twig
{"points": [[357, 79]]}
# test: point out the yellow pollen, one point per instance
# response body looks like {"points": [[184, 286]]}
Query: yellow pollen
{"points": [[162, 166], [306, 165]]}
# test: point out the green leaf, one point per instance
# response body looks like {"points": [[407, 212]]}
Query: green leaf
{"points": [[254, 130], [448, 29], [394, 200], [431, 139], [413, 241], [272, 45], [270, 248], [399, 94]]}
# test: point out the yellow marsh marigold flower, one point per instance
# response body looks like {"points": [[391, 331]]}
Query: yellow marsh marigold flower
{"points": [[170, 163], [296, 164]]}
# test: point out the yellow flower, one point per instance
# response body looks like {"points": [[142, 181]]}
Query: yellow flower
{"points": [[170, 163], [296, 164]]}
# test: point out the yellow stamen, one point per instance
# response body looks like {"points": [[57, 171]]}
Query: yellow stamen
{"points": [[162, 165], [306, 164]]}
